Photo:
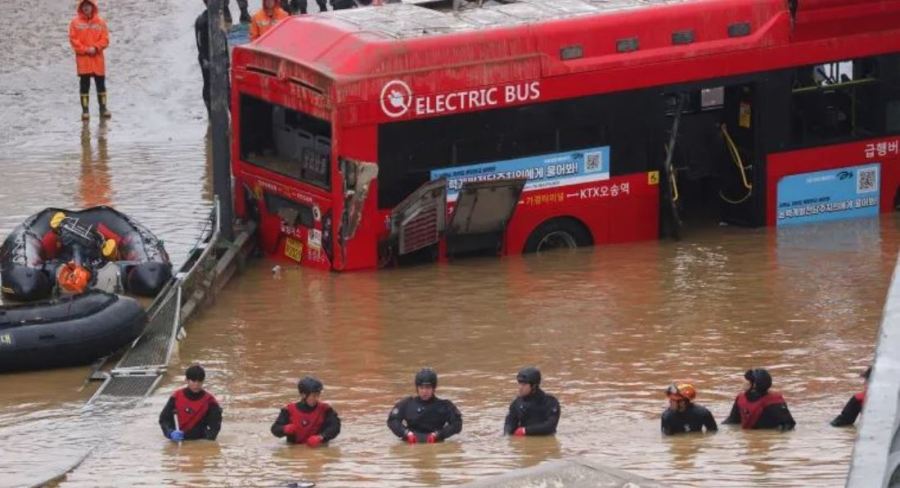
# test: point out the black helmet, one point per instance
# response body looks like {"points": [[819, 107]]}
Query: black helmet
{"points": [[760, 378], [195, 373], [530, 375], [426, 376], [309, 385]]}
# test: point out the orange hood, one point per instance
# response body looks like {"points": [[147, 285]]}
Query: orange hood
{"points": [[92, 2]]}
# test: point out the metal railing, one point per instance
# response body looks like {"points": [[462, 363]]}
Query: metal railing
{"points": [[876, 454], [141, 367]]}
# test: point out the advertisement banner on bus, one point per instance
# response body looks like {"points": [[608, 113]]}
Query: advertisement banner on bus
{"points": [[835, 194], [544, 171]]}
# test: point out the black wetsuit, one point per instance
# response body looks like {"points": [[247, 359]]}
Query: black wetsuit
{"points": [[692, 419], [242, 5], [775, 416], [343, 4], [201, 35], [208, 428], [331, 427], [300, 6], [420, 417], [537, 412], [849, 413]]}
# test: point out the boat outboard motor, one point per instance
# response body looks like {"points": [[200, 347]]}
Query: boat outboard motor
{"points": [[84, 241]]}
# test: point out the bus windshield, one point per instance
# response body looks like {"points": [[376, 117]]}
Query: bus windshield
{"points": [[285, 141]]}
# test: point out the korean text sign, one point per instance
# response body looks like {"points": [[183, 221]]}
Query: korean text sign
{"points": [[543, 171], [834, 194]]}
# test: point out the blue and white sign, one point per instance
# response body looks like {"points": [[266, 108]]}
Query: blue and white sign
{"points": [[544, 171], [835, 194]]}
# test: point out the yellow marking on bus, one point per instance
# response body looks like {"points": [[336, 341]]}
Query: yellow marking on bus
{"points": [[293, 249], [653, 177]]}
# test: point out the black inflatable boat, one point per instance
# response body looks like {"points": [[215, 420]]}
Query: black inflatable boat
{"points": [[34, 252], [68, 331]]}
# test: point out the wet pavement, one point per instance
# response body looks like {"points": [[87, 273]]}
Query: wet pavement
{"points": [[610, 326]]}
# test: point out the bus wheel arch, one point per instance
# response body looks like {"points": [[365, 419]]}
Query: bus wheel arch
{"points": [[558, 233]]}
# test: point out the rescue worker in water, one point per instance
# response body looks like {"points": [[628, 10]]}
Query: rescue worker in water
{"points": [[683, 415], [533, 412], [309, 421], [757, 407], [191, 412], [425, 417], [854, 405]]}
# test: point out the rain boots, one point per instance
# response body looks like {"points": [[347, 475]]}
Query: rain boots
{"points": [[101, 98], [85, 115]]}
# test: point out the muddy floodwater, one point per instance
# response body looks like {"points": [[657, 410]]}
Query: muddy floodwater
{"points": [[609, 326]]}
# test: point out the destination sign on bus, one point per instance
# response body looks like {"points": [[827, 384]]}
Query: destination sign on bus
{"points": [[544, 171], [397, 98]]}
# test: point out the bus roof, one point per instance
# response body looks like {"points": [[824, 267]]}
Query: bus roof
{"points": [[408, 20], [395, 38], [346, 46]]}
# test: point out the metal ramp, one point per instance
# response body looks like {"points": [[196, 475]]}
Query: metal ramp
{"points": [[152, 349], [142, 366]]}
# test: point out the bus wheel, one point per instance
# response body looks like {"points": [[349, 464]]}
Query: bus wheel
{"points": [[559, 233]]}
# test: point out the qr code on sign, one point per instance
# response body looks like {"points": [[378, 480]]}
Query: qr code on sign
{"points": [[593, 161], [867, 180]]}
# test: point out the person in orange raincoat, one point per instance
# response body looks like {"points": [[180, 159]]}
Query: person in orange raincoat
{"points": [[89, 37], [267, 17]]}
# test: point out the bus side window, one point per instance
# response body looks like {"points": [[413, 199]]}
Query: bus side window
{"points": [[893, 116], [845, 100], [889, 70]]}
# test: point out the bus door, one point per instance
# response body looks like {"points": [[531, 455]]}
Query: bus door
{"points": [[739, 201], [707, 172]]}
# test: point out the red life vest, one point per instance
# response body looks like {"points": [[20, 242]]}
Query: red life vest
{"points": [[861, 397], [752, 411], [50, 245], [191, 412], [108, 233], [308, 423]]}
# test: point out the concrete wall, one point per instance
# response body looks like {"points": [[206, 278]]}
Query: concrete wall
{"points": [[876, 454]]}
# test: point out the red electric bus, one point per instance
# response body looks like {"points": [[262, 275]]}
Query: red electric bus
{"points": [[372, 136]]}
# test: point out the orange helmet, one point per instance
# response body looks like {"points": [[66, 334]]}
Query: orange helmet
{"points": [[73, 278], [681, 391]]}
